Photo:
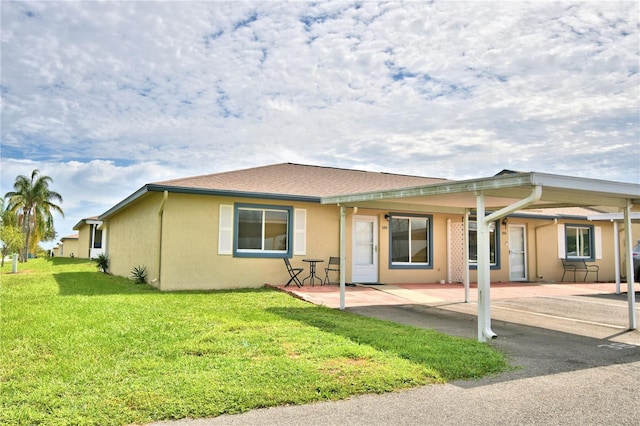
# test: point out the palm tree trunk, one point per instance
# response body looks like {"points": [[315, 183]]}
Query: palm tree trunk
{"points": [[26, 226]]}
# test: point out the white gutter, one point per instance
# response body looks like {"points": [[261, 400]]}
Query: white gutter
{"points": [[484, 268], [160, 218]]}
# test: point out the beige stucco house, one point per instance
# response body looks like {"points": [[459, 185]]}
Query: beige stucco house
{"points": [[231, 229], [68, 246], [91, 239]]}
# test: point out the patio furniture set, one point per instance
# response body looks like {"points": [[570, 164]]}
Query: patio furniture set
{"points": [[332, 266]]}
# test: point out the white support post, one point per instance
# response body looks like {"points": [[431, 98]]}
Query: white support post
{"points": [[631, 294], [449, 250], [484, 273], [616, 254], [343, 256], [92, 241]]}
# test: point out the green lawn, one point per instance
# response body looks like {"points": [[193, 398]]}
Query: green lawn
{"points": [[81, 347]]}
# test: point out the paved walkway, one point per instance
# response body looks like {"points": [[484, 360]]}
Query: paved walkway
{"points": [[397, 294]]}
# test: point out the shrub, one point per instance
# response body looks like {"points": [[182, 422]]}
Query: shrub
{"points": [[139, 274], [103, 262]]}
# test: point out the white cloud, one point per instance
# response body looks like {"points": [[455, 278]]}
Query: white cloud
{"points": [[87, 188], [119, 94]]}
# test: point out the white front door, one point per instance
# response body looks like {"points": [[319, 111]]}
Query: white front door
{"points": [[517, 253], [365, 249]]}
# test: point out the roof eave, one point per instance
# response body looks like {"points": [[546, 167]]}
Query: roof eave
{"points": [[231, 193], [124, 203], [78, 225], [203, 191]]}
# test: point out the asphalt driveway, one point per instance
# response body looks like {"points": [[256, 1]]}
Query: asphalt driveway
{"points": [[577, 364]]}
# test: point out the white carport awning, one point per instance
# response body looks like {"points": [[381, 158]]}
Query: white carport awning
{"points": [[501, 191], [501, 194]]}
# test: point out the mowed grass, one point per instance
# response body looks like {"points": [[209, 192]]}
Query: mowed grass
{"points": [[80, 347]]}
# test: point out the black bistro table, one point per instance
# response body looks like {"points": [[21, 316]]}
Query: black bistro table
{"points": [[312, 271]]}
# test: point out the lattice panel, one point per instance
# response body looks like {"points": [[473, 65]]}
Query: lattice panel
{"points": [[456, 245]]}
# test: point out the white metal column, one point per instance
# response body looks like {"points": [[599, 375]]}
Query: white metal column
{"points": [[616, 254], [484, 272], [343, 256], [631, 294], [92, 242]]}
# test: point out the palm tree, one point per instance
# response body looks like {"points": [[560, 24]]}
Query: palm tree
{"points": [[32, 202]]}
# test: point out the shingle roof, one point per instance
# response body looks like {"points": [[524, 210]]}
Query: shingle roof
{"points": [[299, 180]]}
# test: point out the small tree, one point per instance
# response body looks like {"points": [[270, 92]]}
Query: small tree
{"points": [[11, 237], [12, 240]]}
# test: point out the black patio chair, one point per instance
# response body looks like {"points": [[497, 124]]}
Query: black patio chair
{"points": [[293, 273], [332, 266]]}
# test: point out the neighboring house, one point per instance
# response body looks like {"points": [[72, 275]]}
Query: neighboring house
{"points": [[91, 239], [68, 246], [230, 230]]}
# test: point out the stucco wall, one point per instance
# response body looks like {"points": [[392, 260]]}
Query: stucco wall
{"points": [[84, 239], [133, 238], [190, 258], [543, 262], [69, 247], [549, 266], [186, 235]]}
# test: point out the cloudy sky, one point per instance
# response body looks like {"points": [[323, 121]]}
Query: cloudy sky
{"points": [[105, 97]]}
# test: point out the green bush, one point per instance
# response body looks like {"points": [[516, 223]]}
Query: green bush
{"points": [[103, 262], [139, 274]]}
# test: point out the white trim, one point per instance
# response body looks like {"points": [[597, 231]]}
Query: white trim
{"points": [[365, 273], [524, 253], [562, 248], [300, 232], [613, 216], [225, 229], [597, 240]]}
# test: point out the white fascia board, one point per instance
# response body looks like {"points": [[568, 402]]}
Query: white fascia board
{"points": [[612, 217], [456, 187], [400, 206], [621, 189], [590, 190], [88, 222]]}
